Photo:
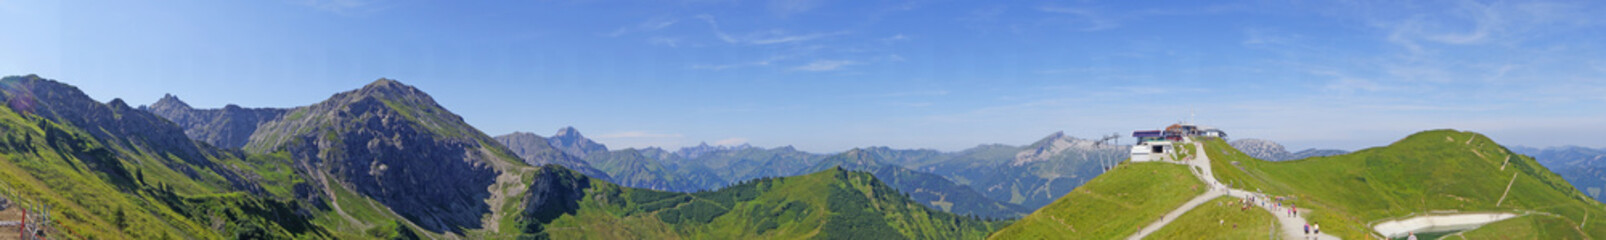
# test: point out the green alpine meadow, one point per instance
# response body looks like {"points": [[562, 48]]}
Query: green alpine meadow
{"points": [[802, 119]]}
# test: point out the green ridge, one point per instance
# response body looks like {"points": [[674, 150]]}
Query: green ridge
{"points": [[1222, 218], [125, 190], [1111, 206], [831, 204], [1439, 170]]}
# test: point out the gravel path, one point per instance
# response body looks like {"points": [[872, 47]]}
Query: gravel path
{"points": [[1292, 227]]}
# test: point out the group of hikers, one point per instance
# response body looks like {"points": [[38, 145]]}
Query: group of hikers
{"points": [[1276, 203], [1312, 227]]}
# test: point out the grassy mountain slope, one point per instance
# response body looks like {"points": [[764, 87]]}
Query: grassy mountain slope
{"points": [[1435, 170], [108, 171], [1222, 218], [1527, 227], [831, 204], [1111, 206], [926, 188]]}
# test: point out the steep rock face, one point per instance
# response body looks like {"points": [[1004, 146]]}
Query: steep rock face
{"points": [[570, 141], [229, 127], [537, 151], [554, 193], [392, 143]]}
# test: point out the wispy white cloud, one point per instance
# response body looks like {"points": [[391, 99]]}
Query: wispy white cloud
{"points": [[664, 41], [1087, 20], [638, 134], [1477, 23], [757, 63], [825, 65], [776, 36], [1348, 84], [714, 24], [1264, 37], [894, 38], [892, 58], [649, 25], [731, 141]]}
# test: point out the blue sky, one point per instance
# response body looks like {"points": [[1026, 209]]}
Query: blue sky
{"points": [[831, 75]]}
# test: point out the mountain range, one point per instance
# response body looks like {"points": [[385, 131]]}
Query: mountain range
{"points": [[385, 161], [1272, 151], [988, 180], [1584, 167]]}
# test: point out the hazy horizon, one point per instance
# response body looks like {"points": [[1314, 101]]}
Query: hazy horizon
{"points": [[827, 76]]}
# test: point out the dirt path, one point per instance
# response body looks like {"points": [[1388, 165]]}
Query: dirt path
{"points": [[1292, 226]]}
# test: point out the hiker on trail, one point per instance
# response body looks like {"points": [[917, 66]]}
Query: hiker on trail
{"points": [[1412, 237], [1307, 230]]}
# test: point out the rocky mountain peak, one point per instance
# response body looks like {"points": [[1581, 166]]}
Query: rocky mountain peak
{"points": [[393, 143], [1052, 145], [1058, 135], [571, 142], [169, 101], [394, 91], [385, 84], [568, 132], [119, 104], [1262, 149]]}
